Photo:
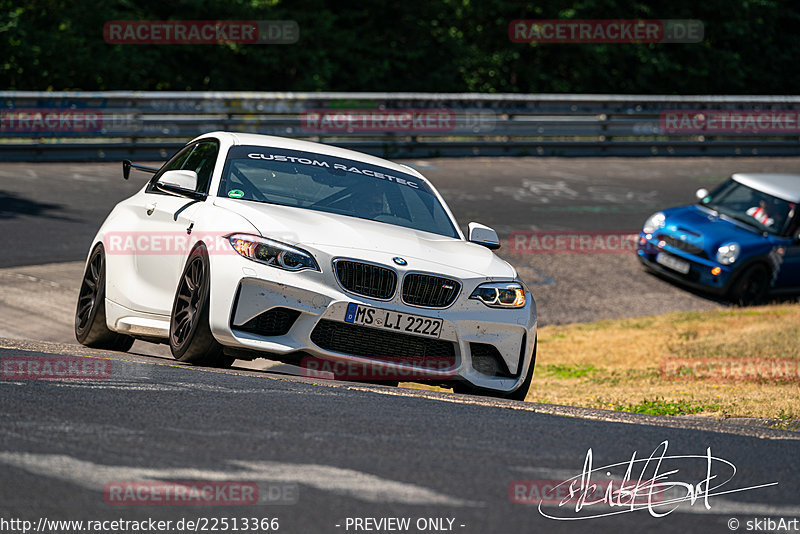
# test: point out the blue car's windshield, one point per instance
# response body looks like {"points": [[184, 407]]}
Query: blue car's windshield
{"points": [[334, 185], [765, 212]]}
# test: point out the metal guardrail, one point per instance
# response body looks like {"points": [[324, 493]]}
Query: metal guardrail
{"points": [[62, 126]]}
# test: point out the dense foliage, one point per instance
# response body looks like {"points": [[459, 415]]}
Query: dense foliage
{"points": [[414, 45]]}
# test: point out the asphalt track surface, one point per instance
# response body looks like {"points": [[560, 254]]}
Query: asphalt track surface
{"points": [[352, 452], [349, 450]]}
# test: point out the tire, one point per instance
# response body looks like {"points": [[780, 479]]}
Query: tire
{"points": [[190, 338], [518, 394], [751, 287], [90, 313]]}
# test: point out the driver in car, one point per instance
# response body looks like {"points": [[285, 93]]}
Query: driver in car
{"points": [[759, 213], [370, 204]]}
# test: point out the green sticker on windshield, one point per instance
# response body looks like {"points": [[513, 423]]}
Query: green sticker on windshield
{"points": [[236, 193]]}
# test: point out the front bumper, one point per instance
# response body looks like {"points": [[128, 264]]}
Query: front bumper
{"points": [[700, 274], [242, 290]]}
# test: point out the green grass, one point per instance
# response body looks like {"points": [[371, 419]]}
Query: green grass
{"points": [[570, 371], [787, 420], [662, 407]]}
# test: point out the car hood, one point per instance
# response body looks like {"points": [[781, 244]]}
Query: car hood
{"points": [[705, 229], [340, 235]]}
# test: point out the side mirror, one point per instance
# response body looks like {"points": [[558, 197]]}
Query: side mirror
{"points": [[181, 183], [701, 193], [483, 235]]}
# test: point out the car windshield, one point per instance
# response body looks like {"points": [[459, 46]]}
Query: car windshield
{"points": [[333, 185], [751, 206]]}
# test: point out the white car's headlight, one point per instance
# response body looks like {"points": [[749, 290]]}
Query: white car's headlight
{"points": [[500, 294], [654, 222], [272, 253], [728, 253]]}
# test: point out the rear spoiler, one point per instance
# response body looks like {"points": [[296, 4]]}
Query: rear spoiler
{"points": [[127, 166]]}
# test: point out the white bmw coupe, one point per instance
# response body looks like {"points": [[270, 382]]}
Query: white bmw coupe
{"points": [[248, 246]]}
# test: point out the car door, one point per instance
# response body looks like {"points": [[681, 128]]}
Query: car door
{"points": [[165, 223], [789, 274]]}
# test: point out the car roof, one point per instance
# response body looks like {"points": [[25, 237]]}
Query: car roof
{"points": [[273, 141], [784, 186]]}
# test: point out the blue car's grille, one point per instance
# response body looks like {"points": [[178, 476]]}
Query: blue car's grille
{"points": [[683, 245]]}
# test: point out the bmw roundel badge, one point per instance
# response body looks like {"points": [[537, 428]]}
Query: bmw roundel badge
{"points": [[399, 261]]}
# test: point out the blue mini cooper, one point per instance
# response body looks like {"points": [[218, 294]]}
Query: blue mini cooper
{"points": [[740, 241]]}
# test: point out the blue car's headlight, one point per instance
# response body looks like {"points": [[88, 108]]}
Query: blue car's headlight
{"points": [[272, 253], [728, 253], [654, 222], [500, 294]]}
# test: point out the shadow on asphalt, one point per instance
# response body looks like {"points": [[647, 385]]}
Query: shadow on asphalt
{"points": [[13, 205]]}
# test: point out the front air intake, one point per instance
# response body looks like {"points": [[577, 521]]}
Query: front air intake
{"points": [[274, 322], [486, 359]]}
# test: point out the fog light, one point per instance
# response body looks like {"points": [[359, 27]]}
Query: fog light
{"points": [[715, 271]]}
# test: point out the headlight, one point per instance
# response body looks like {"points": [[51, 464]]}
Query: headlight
{"points": [[272, 253], [500, 294], [728, 253], [654, 222]]}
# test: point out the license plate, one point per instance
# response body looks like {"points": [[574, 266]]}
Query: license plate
{"points": [[404, 323], [672, 262]]}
